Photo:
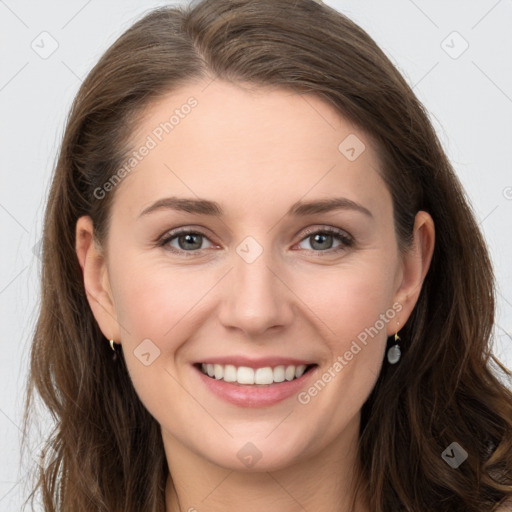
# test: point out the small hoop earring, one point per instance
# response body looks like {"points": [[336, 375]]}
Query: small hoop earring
{"points": [[115, 355], [394, 352]]}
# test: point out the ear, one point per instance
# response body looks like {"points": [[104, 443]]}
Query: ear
{"points": [[96, 280], [414, 268]]}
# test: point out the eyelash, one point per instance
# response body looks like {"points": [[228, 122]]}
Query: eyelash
{"points": [[346, 240]]}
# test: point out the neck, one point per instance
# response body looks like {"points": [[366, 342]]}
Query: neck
{"points": [[322, 483]]}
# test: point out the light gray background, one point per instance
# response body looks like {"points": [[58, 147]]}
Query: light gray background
{"points": [[469, 97]]}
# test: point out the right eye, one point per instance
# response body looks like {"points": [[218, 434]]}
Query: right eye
{"points": [[187, 241]]}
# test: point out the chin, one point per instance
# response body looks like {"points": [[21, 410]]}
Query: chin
{"points": [[255, 454]]}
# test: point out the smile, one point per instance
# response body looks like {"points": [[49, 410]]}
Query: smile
{"points": [[255, 382], [254, 376]]}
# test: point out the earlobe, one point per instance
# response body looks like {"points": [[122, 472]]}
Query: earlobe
{"points": [[95, 278], [415, 265]]}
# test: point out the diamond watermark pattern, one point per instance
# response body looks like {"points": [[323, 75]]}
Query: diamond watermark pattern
{"points": [[146, 352], [351, 147], [37, 249], [249, 249], [45, 45], [249, 455], [454, 455], [454, 45]]}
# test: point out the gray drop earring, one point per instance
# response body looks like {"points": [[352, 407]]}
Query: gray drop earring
{"points": [[394, 352]]}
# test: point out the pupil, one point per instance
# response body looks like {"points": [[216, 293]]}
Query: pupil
{"points": [[320, 236], [189, 238]]}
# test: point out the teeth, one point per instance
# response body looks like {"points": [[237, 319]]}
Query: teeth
{"points": [[279, 374], [300, 370], [264, 376], [246, 375], [229, 373], [289, 373], [218, 371]]}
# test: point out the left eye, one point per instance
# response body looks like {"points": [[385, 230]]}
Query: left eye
{"points": [[321, 236]]}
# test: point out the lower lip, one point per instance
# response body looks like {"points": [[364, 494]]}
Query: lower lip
{"points": [[255, 395]]}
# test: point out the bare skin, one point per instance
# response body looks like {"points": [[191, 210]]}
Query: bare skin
{"points": [[256, 154]]}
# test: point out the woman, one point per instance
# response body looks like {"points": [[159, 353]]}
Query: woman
{"points": [[207, 158]]}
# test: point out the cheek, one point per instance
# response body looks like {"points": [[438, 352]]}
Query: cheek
{"points": [[152, 305], [355, 306], [159, 307], [351, 299], [155, 307], [154, 299]]}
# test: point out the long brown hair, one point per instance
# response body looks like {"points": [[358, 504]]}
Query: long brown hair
{"points": [[106, 449]]}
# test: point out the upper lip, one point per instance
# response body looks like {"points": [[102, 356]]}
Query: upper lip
{"points": [[256, 363]]}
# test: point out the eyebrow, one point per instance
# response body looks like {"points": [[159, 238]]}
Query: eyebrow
{"points": [[298, 209]]}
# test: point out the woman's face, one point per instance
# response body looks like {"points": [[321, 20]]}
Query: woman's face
{"points": [[269, 279]]}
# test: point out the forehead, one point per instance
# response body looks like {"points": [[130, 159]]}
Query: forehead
{"points": [[244, 114], [240, 141]]}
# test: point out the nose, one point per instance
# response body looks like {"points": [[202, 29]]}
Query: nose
{"points": [[256, 296]]}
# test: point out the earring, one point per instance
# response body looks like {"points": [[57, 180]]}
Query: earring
{"points": [[113, 347], [394, 352]]}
